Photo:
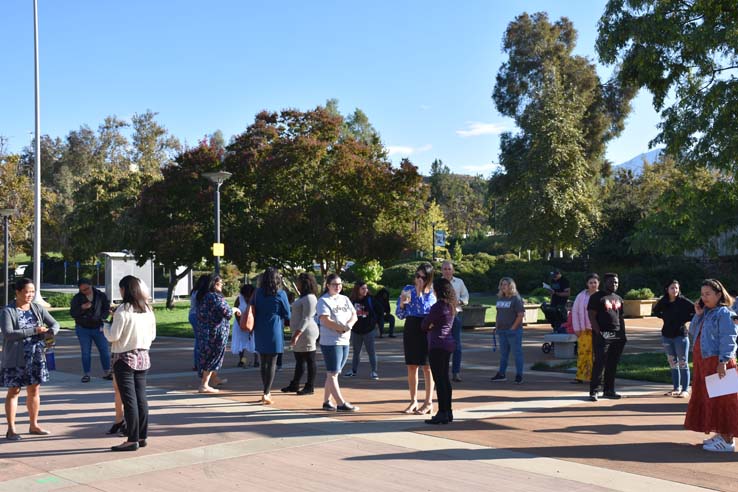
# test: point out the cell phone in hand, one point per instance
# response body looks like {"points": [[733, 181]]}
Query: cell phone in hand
{"points": [[702, 304]]}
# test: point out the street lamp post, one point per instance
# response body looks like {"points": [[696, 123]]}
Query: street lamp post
{"points": [[217, 178], [6, 213], [433, 239]]}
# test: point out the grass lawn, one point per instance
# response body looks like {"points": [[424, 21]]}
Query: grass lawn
{"points": [[648, 366]]}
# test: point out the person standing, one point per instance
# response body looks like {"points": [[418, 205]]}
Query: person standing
{"points": [[362, 333], [200, 285], [25, 325], [438, 325], [605, 309], [676, 310], [271, 309], [304, 334], [556, 314], [131, 333], [583, 329], [462, 299], [213, 313], [714, 336], [413, 305], [382, 299], [89, 308], [337, 316], [242, 341], [509, 328]]}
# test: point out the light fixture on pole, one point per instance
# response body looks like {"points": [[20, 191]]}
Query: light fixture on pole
{"points": [[433, 238], [6, 213], [217, 178], [37, 165]]}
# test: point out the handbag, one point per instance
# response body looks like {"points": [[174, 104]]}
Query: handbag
{"points": [[247, 317]]}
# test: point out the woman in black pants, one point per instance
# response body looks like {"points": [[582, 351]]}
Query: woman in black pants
{"points": [[441, 345], [131, 333], [304, 334]]}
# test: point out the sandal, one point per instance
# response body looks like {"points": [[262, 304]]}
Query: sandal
{"points": [[207, 389], [425, 409], [412, 408]]}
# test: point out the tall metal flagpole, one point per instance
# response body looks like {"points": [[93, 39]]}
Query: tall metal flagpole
{"points": [[37, 167]]}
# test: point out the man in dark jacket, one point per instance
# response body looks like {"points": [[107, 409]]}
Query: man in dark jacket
{"points": [[90, 306]]}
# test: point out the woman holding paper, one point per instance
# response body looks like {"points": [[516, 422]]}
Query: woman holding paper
{"points": [[714, 341]]}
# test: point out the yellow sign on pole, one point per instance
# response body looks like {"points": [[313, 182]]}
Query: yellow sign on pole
{"points": [[218, 249]]}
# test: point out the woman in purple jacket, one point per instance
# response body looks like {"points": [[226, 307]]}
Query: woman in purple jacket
{"points": [[441, 345]]}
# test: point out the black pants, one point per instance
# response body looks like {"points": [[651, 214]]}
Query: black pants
{"points": [[607, 354], [438, 360], [387, 318], [268, 368], [301, 360], [132, 389]]}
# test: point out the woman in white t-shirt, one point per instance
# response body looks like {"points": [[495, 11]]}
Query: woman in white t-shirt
{"points": [[337, 315]]}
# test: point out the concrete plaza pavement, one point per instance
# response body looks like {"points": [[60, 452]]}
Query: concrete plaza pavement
{"points": [[542, 435]]}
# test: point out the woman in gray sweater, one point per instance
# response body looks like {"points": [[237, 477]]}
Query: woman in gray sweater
{"points": [[304, 334], [25, 326]]}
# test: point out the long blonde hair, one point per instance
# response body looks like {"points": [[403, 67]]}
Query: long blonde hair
{"points": [[511, 283]]}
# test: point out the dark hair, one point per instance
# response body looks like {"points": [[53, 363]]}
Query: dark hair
{"points": [[590, 277], [21, 283], [246, 291], [667, 285], [203, 287], [718, 288], [201, 284], [445, 293], [427, 269], [133, 294], [306, 284], [609, 275], [382, 294], [330, 278], [270, 281], [355, 291], [83, 281]]}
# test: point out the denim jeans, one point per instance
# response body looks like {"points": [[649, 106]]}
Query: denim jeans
{"points": [[511, 339], [677, 353], [456, 333], [86, 336], [357, 341]]}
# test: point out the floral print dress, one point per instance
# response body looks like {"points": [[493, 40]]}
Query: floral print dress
{"points": [[213, 314], [35, 371]]}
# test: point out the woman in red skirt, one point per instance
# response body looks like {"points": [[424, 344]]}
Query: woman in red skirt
{"points": [[714, 341]]}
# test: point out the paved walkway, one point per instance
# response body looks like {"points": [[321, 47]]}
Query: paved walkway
{"points": [[541, 435]]}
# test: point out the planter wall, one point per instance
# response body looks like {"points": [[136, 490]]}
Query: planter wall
{"points": [[638, 308], [473, 316], [531, 313]]}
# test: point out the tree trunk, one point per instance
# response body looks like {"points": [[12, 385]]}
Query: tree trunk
{"points": [[173, 279]]}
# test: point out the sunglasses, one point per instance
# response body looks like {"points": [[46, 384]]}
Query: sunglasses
{"points": [[417, 275]]}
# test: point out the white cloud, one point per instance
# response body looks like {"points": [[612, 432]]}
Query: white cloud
{"points": [[404, 150], [477, 128], [482, 168], [424, 107]]}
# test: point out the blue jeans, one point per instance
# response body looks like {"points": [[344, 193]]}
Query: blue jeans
{"points": [[86, 336], [677, 353], [511, 339], [357, 341], [456, 333], [334, 356], [192, 318]]}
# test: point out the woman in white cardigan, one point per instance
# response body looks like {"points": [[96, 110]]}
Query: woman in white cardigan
{"points": [[131, 333], [583, 329]]}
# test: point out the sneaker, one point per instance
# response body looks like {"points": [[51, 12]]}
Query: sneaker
{"points": [[347, 407], [373, 375], [108, 375], [456, 378], [593, 397], [518, 379], [718, 445], [498, 377], [710, 439], [682, 394], [329, 406], [611, 395], [350, 374], [85, 378]]}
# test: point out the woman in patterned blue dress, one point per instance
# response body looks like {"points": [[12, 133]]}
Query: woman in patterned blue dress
{"points": [[213, 313], [24, 325]]}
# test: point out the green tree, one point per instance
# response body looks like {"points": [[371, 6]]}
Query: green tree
{"points": [[684, 53], [16, 192]]}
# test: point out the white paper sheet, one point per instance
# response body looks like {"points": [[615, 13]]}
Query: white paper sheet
{"points": [[725, 386]]}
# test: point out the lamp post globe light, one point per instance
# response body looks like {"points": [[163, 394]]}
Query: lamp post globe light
{"points": [[6, 213], [217, 178]]}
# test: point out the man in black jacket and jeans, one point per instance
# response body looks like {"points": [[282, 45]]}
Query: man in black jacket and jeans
{"points": [[90, 306]]}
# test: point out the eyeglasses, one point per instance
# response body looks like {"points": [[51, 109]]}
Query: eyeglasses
{"points": [[336, 284], [417, 275]]}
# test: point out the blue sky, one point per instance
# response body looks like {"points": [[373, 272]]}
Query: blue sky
{"points": [[423, 71]]}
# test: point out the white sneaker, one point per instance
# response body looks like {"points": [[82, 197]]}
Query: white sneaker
{"points": [[709, 439], [374, 375], [718, 445]]}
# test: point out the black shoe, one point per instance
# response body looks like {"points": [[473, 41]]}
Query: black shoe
{"points": [[347, 407], [117, 427], [391, 336], [593, 396], [292, 388], [439, 418], [142, 443], [126, 446], [108, 375], [450, 416], [611, 395], [12, 436], [498, 377], [306, 390]]}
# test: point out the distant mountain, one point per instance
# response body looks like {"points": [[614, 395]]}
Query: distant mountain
{"points": [[636, 163]]}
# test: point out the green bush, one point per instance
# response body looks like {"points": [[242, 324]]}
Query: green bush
{"points": [[639, 294], [371, 271], [232, 278], [539, 292], [59, 299], [400, 275]]}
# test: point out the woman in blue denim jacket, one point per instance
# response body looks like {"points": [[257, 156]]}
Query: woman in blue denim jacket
{"points": [[714, 340]]}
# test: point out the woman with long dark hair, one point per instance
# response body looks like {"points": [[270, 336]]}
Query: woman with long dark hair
{"points": [[304, 334], [25, 325], [363, 332], [213, 313], [441, 344], [131, 333], [713, 336], [242, 341], [413, 305], [271, 309], [676, 311]]}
